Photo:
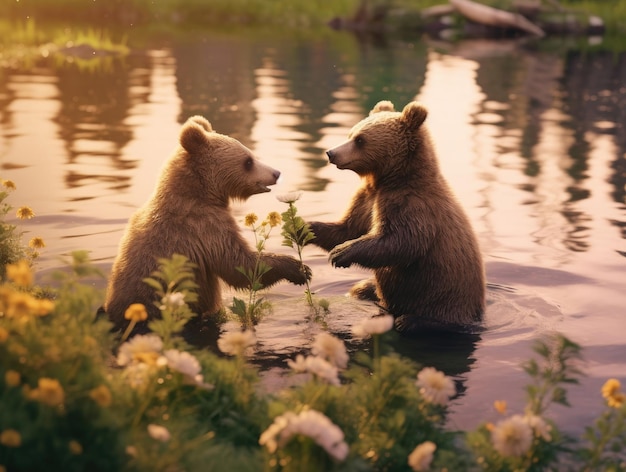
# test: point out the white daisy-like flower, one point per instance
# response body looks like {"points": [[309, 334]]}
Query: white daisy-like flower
{"points": [[172, 300], [375, 325], [140, 348], [317, 366], [158, 432], [138, 374], [289, 197], [435, 386], [540, 427], [512, 437], [182, 362], [330, 348], [236, 343], [422, 456], [310, 423]]}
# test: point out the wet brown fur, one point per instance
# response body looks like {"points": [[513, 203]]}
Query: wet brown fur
{"points": [[189, 214], [405, 224]]}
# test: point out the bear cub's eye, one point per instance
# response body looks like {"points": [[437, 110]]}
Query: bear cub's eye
{"points": [[359, 141], [248, 164]]}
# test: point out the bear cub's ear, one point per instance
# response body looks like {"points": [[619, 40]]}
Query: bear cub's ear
{"points": [[383, 105], [202, 121], [414, 115], [193, 136]]}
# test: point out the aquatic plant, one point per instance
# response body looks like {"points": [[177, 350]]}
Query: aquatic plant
{"points": [[251, 311], [297, 234]]}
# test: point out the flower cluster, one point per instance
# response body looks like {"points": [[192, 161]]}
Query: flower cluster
{"points": [[310, 423], [142, 355], [329, 355], [19, 303]]}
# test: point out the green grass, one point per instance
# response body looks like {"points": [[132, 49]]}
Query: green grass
{"points": [[284, 13]]}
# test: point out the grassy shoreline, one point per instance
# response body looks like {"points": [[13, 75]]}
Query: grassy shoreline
{"points": [[284, 13]]}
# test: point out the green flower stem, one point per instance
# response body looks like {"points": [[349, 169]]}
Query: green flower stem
{"points": [[128, 330]]}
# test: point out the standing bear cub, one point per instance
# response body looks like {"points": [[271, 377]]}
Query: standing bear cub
{"points": [[189, 214], [405, 223]]}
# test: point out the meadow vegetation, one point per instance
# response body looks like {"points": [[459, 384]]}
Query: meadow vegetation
{"points": [[75, 396]]}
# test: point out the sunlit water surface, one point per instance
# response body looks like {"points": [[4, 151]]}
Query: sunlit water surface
{"points": [[533, 144]]}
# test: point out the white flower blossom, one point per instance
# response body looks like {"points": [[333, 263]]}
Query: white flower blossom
{"points": [[435, 386], [317, 366], [289, 197], [540, 428], [236, 343], [422, 456], [137, 374], [140, 348], [330, 348], [160, 433], [310, 423], [512, 437], [182, 362], [375, 325], [172, 300]]}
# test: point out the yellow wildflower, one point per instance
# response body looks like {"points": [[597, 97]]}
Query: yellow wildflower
{"points": [[75, 447], [10, 438], [12, 378], [20, 304], [9, 184], [610, 388], [101, 395], [36, 243], [274, 218], [48, 391], [25, 213], [500, 406], [136, 312], [4, 334], [20, 273], [616, 400], [43, 306], [250, 219]]}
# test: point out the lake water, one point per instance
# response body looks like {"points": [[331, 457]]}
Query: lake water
{"points": [[531, 139]]}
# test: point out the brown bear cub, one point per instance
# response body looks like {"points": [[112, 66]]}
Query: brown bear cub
{"points": [[406, 225], [189, 214]]}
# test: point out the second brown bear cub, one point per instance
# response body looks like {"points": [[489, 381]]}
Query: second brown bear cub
{"points": [[189, 214], [406, 225]]}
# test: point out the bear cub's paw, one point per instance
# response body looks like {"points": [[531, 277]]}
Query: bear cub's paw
{"points": [[297, 273], [341, 255]]}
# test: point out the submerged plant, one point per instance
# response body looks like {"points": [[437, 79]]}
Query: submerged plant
{"points": [[251, 311], [297, 234]]}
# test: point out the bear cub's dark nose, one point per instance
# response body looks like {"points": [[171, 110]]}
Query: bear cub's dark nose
{"points": [[276, 175], [331, 155]]}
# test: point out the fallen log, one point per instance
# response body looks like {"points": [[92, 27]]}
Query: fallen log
{"points": [[493, 17]]}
